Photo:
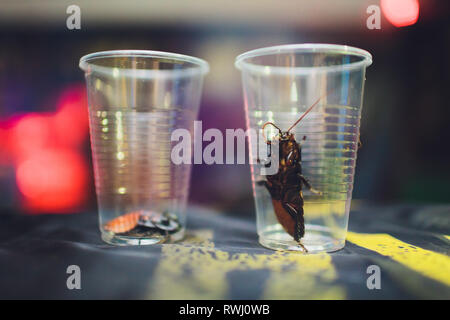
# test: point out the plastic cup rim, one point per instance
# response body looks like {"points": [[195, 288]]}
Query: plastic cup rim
{"points": [[243, 65], [201, 67]]}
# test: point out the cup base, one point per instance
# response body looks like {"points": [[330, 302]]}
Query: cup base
{"points": [[119, 240], [317, 239]]}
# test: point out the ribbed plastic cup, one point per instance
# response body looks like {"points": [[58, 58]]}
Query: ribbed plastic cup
{"points": [[136, 99], [280, 83]]}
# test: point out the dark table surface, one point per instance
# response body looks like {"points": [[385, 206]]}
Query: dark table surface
{"points": [[221, 259]]}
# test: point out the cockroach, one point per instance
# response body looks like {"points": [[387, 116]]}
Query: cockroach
{"points": [[141, 223], [123, 223], [285, 187]]}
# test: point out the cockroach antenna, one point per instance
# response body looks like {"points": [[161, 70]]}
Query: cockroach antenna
{"points": [[306, 112], [272, 124], [296, 122]]}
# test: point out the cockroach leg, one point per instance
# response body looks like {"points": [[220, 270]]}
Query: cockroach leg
{"points": [[300, 224], [304, 248], [309, 186]]}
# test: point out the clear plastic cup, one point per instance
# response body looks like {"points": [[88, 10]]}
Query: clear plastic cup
{"points": [[280, 84], [136, 99]]}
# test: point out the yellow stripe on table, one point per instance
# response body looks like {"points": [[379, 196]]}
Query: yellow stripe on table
{"points": [[428, 263], [196, 269]]}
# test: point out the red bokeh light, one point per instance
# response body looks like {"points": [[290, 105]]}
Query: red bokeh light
{"points": [[46, 150], [31, 134], [71, 119], [4, 143], [401, 13], [52, 180]]}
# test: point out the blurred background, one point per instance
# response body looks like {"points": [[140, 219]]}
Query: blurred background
{"points": [[45, 161]]}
